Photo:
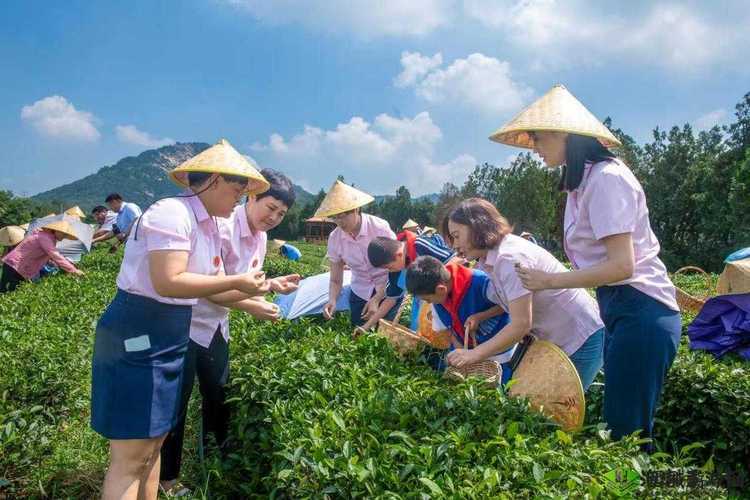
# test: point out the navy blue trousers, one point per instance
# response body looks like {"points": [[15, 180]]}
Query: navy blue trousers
{"points": [[357, 305], [640, 345]]}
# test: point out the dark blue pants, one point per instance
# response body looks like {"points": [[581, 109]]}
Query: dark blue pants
{"points": [[357, 305], [211, 365], [640, 344]]}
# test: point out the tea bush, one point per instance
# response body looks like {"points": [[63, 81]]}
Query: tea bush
{"points": [[317, 414]]}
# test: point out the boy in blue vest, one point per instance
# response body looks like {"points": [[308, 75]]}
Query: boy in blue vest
{"points": [[395, 256], [464, 301]]}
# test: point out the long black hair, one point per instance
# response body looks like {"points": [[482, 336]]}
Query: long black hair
{"points": [[579, 150]]}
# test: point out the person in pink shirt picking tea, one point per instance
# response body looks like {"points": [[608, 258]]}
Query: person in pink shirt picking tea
{"points": [[243, 239], [29, 256], [347, 246]]}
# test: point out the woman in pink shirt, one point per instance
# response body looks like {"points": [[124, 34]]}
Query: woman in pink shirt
{"points": [[172, 257], [28, 257], [609, 241], [568, 318], [243, 244], [347, 245]]}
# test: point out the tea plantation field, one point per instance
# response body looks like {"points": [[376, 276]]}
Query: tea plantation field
{"points": [[316, 414]]}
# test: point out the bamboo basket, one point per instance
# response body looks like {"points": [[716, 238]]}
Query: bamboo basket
{"points": [[439, 340], [686, 301], [487, 370], [403, 340]]}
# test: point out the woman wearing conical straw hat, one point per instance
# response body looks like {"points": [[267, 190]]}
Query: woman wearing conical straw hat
{"points": [[347, 245], [31, 253], [609, 242], [172, 258]]}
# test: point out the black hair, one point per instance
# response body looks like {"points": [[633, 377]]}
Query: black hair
{"points": [[579, 150], [488, 226], [113, 197], [425, 274], [281, 188], [99, 208], [382, 251]]}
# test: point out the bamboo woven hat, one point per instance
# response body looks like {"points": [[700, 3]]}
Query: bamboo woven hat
{"points": [[550, 381], [410, 224], [62, 226], [11, 236], [221, 158], [276, 245], [556, 111], [342, 198], [75, 212], [25, 227]]}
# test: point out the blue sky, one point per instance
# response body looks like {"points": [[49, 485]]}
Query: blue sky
{"points": [[385, 93]]}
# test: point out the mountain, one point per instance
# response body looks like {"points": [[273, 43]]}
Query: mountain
{"points": [[141, 179]]}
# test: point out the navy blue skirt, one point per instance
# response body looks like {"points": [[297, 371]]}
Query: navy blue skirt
{"points": [[137, 370]]}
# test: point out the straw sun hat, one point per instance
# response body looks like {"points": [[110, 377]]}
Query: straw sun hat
{"points": [[342, 198], [410, 224], [75, 212], [276, 245], [62, 226], [11, 236], [221, 158], [547, 377], [556, 111]]}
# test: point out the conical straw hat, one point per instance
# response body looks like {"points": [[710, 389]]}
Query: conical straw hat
{"points": [[221, 158], [25, 227], [409, 224], [62, 226], [276, 245], [556, 111], [550, 381], [75, 212], [11, 236], [342, 198]]}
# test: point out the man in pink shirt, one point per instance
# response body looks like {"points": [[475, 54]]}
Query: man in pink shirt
{"points": [[26, 259], [243, 249], [347, 245]]}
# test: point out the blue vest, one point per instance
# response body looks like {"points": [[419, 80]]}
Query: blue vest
{"points": [[475, 301]]}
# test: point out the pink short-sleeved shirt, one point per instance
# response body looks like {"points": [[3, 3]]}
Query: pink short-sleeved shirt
{"points": [[564, 317], [243, 251], [609, 201], [353, 252], [170, 224], [29, 256]]}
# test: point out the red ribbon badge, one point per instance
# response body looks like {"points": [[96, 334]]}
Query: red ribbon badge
{"points": [[217, 261], [255, 263]]}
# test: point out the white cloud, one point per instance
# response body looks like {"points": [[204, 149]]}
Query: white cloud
{"points": [[55, 117], [381, 155], [708, 120], [670, 35], [416, 66], [130, 134], [362, 18], [480, 82]]}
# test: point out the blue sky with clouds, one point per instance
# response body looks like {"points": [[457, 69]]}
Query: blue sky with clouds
{"points": [[385, 93]]}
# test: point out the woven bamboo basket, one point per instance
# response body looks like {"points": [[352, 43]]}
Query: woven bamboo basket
{"points": [[403, 340], [487, 370], [686, 301], [438, 340]]}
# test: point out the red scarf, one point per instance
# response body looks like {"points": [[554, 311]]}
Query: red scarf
{"points": [[460, 281], [411, 245]]}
